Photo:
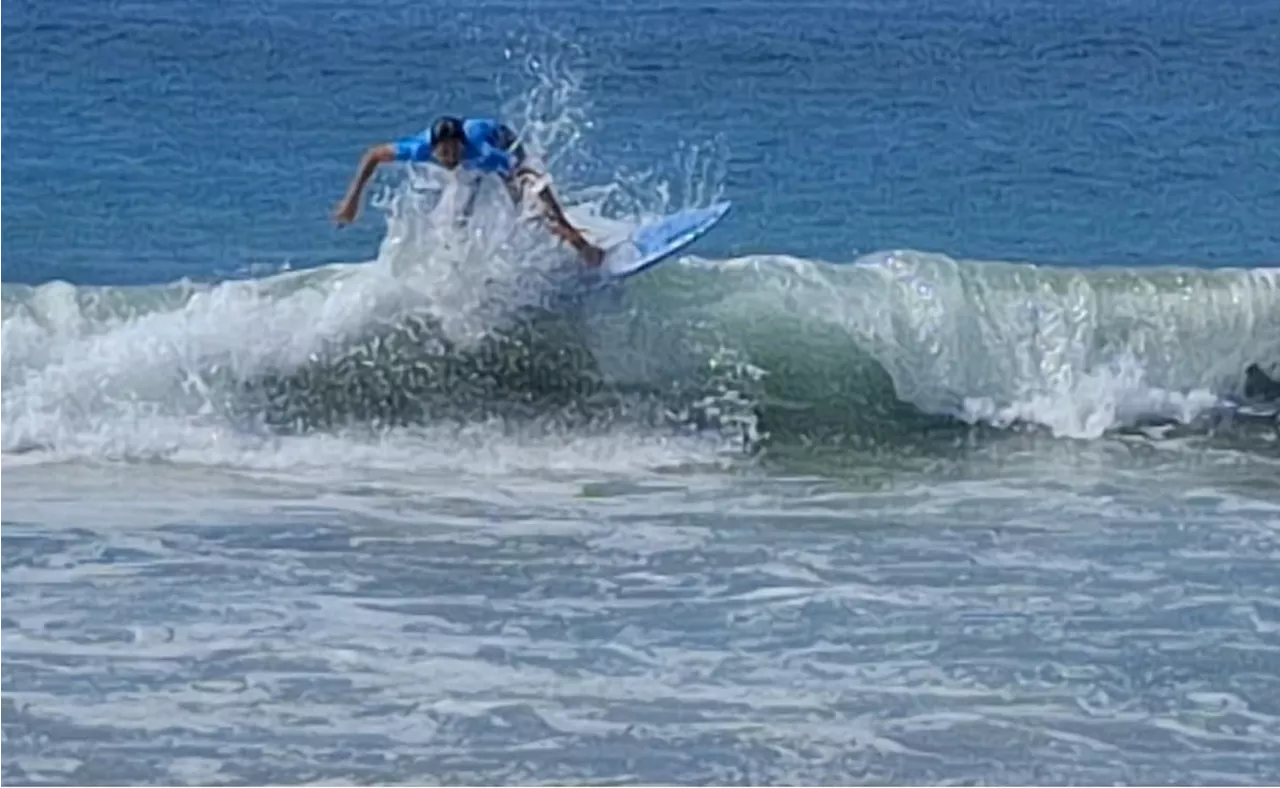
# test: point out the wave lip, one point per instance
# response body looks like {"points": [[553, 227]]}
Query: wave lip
{"points": [[1077, 351]]}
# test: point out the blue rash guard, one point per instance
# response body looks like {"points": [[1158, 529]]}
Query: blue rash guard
{"points": [[489, 147]]}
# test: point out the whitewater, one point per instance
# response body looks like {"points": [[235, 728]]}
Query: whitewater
{"points": [[830, 499], [378, 521]]}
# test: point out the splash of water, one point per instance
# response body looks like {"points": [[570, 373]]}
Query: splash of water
{"points": [[146, 371]]}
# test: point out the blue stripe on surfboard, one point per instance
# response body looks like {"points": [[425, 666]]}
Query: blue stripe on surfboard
{"points": [[659, 240]]}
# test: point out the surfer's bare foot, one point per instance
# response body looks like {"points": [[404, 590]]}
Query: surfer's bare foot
{"points": [[593, 255]]}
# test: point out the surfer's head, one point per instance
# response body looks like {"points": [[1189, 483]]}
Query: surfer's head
{"points": [[447, 136]]}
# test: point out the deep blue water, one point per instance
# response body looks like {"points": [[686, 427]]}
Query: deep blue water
{"points": [[938, 461], [165, 139]]}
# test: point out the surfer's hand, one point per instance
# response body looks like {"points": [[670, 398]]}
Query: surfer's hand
{"points": [[345, 212], [592, 255]]}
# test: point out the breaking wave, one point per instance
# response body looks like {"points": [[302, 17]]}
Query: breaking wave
{"points": [[757, 349], [461, 324]]}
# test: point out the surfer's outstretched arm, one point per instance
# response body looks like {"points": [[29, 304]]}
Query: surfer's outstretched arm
{"points": [[347, 209], [560, 223]]}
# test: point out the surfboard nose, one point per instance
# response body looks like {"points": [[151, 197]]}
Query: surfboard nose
{"points": [[651, 243]]}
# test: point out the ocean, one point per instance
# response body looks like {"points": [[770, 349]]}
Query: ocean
{"points": [[951, 456]]}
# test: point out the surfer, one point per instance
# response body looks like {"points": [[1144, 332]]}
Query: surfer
{"points": [[478, 144]]}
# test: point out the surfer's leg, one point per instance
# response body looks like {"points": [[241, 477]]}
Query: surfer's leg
{"points": [[540, 185]]}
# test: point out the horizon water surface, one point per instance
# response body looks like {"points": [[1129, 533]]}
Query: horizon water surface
{"points": [[950, 456]]}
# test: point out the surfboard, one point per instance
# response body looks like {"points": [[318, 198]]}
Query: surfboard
{"points": [[650, 244]]}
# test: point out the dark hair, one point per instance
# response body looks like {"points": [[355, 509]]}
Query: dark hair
{"points": [[446, 128]]}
